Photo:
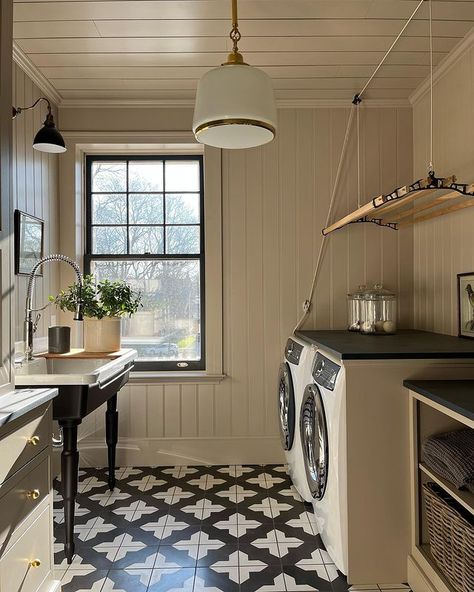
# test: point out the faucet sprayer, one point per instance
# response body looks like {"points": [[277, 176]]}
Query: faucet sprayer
{"points": [[30, 325]]}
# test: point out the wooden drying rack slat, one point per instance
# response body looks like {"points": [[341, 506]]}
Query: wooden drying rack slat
{"points": [[440, 212], [399, 204], [371, 209], [392, 208], [416, 209]]}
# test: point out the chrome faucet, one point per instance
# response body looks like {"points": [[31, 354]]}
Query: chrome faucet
{"points": [[30, 326]]}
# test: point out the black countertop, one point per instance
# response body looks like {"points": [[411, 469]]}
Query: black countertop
{"points": [[457, 395], [404, 345]]}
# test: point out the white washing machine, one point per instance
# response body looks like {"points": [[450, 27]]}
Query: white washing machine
{"points": [[293, 377], [354, 440], [323, 442]]}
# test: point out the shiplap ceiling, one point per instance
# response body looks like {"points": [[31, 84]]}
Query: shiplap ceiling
{"points": [[157, 50]]}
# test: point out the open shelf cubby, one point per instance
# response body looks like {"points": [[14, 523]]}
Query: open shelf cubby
{"points": [[429, 417]]}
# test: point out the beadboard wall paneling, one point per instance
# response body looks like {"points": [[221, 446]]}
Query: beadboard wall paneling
{"points": [[275, 201], [35, 191], [444, 247]]}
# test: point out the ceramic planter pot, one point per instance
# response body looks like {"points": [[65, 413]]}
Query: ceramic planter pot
{"points": [[102, 335]]}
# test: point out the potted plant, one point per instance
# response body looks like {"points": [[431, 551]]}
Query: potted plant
{"points": [[105, 303]]}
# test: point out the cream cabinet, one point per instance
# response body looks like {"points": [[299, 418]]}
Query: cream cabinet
{"points": [[26, 504]]}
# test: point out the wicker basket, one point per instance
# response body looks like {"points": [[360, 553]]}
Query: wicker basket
{"points": [[451, 530]]}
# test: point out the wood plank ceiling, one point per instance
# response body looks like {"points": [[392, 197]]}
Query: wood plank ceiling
{"points": [[157, 50]]}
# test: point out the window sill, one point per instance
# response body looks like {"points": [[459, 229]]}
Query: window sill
{"points": [[190, 377]]}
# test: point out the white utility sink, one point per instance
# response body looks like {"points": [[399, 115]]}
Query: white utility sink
{"points": [[68, 369]]}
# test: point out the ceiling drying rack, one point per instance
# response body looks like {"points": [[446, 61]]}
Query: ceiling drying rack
{"points": [[422, 200]]}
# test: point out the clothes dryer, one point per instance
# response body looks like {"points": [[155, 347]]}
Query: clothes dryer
{"points": [[293, 377]]}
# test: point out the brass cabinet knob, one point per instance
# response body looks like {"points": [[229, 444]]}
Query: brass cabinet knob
{"points": [[35, 563], [34, 440], [33, 494]]}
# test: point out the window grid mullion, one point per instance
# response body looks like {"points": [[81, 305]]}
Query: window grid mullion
{"points": [[196, 224], [128, 210], [165, 234], [196, 192]]}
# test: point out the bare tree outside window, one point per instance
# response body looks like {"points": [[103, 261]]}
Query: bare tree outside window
{"points": [[145, 226]]}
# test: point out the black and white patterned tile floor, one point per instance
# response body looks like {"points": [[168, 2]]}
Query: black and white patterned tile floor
{"points": [[195, 529]]}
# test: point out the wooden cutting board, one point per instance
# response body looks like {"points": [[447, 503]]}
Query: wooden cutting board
{"points": [[81, 354]]}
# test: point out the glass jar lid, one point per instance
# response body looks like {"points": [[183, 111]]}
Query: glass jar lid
{"points": [[359, 294], [378, 292]]}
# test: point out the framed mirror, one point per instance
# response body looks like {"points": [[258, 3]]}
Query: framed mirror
{"points": [[28, 242]]}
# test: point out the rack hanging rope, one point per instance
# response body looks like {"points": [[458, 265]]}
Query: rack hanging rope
{"points": [[322, 248], [365, 213], [431, 165], [389, 50]]}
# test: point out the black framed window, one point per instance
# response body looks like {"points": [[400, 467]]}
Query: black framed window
{"points": [[145, 225]]}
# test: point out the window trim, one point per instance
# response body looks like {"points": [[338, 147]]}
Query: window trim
{"points": [[153, 366]]}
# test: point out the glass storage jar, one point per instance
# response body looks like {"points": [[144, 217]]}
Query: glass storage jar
{"points": [[379, 312], [354, 308]]}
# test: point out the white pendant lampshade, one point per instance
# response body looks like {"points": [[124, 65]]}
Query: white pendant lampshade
{"points": [[235, 106]]}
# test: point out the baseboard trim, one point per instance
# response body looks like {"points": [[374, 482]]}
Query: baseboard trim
{"points": [[419, 581], [178, 451]]}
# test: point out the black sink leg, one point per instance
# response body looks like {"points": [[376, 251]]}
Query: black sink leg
{"points": [[111, 436], [69, 478]]}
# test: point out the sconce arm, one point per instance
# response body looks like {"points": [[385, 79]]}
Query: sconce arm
{"points": [[17, 110]]}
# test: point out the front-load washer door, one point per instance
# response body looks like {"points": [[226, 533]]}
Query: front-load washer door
{"points": [[286, 406], [314, 440]]}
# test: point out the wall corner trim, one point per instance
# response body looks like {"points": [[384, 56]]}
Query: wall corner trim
{"points": [[443, 68], [24, 62]]}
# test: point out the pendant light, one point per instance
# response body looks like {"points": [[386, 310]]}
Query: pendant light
{"points": [[235, 106], [48, 138]]}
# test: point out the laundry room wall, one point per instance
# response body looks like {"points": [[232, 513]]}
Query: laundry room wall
{"points": [[274, 205], [35, 191], [444, 247]]}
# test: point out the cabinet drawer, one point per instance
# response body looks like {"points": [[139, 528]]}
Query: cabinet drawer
{"points": [[20, 500], [26, 565], [23, 443]]}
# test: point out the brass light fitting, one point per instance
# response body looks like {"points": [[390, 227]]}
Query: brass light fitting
{"points": [[235, 57]]}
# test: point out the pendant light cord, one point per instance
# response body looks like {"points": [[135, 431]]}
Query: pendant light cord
{"points": [[323, 246], [387, 53]]}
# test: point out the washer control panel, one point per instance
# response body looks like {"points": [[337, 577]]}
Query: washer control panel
{"points": [[293, 351], [325, 372]]}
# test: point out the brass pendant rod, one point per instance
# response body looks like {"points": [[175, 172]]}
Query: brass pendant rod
{"points": [[235, 22], [235, 57]]}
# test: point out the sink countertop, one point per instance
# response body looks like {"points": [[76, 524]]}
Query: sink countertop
{"points": [[73, 368], [20, 401], [403, 345], [457, 395]]}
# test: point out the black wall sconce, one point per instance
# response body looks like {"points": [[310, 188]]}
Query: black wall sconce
{"points": [[48, 138]]}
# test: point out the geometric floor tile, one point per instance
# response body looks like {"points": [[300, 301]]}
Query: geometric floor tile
{"points": [[195, 529]]}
